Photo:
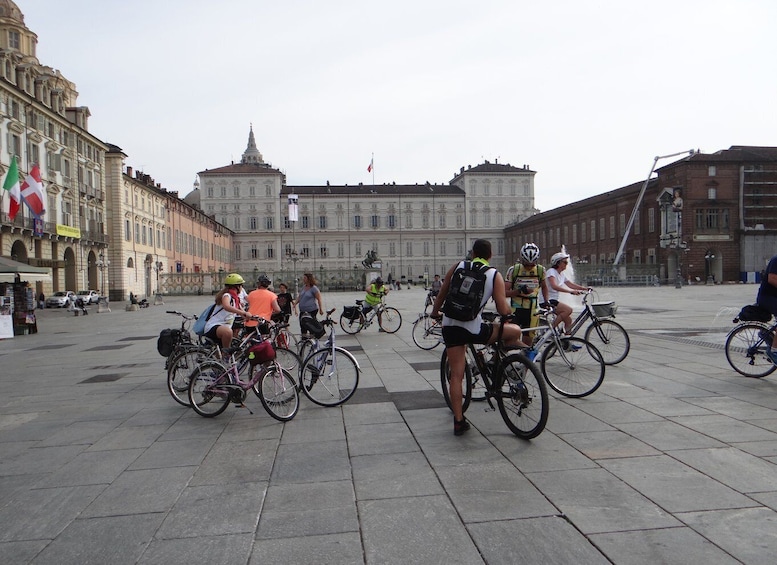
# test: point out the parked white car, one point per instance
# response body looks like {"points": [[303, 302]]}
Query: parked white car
{"points": [[89, 296], [59, 299]]}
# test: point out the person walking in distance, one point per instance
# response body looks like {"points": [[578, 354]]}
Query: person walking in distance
{"points": [[285, 301], [458, 333], [436, 285], [524, 282], [558, 283], [767, 298]]}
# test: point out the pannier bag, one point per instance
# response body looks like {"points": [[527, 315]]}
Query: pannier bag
{"points": [[351, 312], [167, 340], [753, 313], [312, 326], [261, 353]]}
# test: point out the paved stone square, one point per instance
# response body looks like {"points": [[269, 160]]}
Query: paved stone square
{"points": [[672, 460]]}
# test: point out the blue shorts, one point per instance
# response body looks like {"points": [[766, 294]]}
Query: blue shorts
{"points": [[455, 335]]}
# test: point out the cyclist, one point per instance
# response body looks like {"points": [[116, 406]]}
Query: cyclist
{"points": [[457, 334], [523, 284], [219, 325], [262, 301], [767, 298], [375, 292], [557, 283]]}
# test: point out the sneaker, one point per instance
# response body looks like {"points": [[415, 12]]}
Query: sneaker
{"points": [[565, 343], [460, 427]]}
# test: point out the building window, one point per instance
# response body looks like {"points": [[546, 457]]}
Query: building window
{"points": [[582, 232], [237, 192], [14, 41], [712, 170], [712, 193], [137, 232], [637, 228], [651, 256], [392, 221], [127, 230], [374, 221], [712, 219], [612, 227], [286, 223], [408, 220], [322, 222], [574, 234], [270, 252], [357, 222], [341, 249], [601, 229], [593, 231], [305, 251], [305, 222], [651, 220], [357, 249], [254, 252], [426, 248], [322, 251], [268, 223], [392, 249], [252, 223], [409, 249]]}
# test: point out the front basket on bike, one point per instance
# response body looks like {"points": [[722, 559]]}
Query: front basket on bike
{"points": [[604, 309]]}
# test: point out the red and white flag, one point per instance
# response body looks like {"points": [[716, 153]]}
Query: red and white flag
{"points": [[11, 184], [369, 167], [32, 192]]}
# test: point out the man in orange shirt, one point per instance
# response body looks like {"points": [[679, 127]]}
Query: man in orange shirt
{"points": [[262, 301]]}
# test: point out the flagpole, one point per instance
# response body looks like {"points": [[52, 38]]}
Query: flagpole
{"points": [[372, 161]]}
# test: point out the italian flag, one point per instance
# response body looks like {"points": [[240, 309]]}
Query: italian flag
{"points": [[11, 184]]}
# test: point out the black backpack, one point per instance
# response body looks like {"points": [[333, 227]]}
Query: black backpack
{"points": [[465, 291], [753, 313]]}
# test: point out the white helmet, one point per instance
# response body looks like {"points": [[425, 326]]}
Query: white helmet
{"points": [[557, 258], [530, 253]]}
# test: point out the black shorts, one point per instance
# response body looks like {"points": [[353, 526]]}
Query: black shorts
{"points": [[454, 335], [211, 334], [523, 317]]}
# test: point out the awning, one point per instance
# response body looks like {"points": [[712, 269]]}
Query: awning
{"points": [[10, 268]]}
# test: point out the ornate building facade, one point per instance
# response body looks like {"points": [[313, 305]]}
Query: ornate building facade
{"points": [[416, 230], [43, 124]]}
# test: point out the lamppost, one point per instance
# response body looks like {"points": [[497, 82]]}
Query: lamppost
{"points": [[708, 257], [158, 266], [293, 256], [102, 264]]}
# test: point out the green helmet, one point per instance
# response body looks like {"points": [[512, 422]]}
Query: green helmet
{"points": [[234, 278]]}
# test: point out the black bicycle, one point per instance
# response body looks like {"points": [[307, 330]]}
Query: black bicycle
{"points": [[509, 378]]}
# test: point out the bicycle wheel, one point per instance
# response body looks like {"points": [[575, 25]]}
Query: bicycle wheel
{"points": [[522, 396], [277, 391], [287, 359], [208, 394], [479, 388], [427, 332], [445, 377], [576, 371], [390, 320], [286, 339], [352, 325], [329, 378], [610, 339], [180, 367], [306, 346], [746, 350]]}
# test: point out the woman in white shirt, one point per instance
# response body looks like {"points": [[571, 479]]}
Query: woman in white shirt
{"points": [[558, 283]]}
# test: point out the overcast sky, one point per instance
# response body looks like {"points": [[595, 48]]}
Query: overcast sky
{"points": [[586, 93]]}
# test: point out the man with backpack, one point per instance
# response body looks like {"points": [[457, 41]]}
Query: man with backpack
{"points": [[467, 288], [767, 298], [523, 283]]}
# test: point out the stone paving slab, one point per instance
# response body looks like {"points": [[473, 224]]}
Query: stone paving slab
{"points": [[672, 460]]}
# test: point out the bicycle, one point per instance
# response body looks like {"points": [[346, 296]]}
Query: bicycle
{"points": [[513, 381], [354, 319], [186, 355], [608, 336], [213, 385], [572, 366], [329, 374], [427, 331], [746, 347]]}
